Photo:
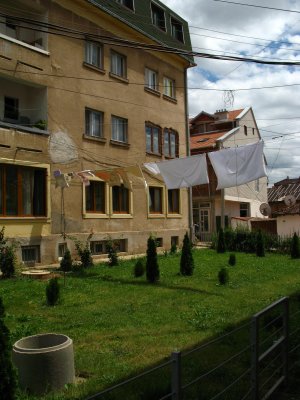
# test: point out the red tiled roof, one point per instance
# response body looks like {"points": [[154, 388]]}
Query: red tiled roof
{"points": [[234, 113], [205, 140]]}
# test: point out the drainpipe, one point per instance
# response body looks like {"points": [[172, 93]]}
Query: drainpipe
{"points": [[220, 146], [187, 135]]}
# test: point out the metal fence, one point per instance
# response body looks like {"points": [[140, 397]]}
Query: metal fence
{"points": [[266, 348]]}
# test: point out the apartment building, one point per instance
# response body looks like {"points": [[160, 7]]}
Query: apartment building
{"points": [[88, 93], [230, 206]]}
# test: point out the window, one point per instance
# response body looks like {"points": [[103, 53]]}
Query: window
{"points": [[11, 29], [170, 143], [155, 200], [120, 199], [244, 209], [158, 17], [159, 242], [94, 54], [245, 130], [151, 79], [153, 139], [97, 247], [118, 65], [127, 3], [119, 127], [169, 87], [253, 131], [95, 197], [173, 201], [177, 29], [257, 185], [22, 191], [174, 240], [93, 123], [62, 248], [30, 254], [11, 108]]}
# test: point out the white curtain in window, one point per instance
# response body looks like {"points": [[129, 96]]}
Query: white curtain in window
{"points": [[27, 191]]}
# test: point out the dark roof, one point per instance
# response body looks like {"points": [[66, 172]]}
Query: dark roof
{"points": [[279, 191], [287, 210], [141, 20]]}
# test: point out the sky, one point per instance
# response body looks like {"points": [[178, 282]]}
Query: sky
{"points": [[217, 27]]}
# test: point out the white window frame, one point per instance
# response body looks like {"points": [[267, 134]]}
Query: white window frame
{"points": [[169, 87], [119, 129], [118, 64], [151, 79]]}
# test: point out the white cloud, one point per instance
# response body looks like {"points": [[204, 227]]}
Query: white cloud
{"points": [[260, 26]]}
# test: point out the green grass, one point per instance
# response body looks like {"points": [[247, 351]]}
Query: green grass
{"points": [[121, 325]]}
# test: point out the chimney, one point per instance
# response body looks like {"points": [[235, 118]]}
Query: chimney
{"points": [[221, 114]]}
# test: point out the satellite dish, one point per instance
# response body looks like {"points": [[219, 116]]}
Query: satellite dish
{"points": [[265, 209], [289, 200]]}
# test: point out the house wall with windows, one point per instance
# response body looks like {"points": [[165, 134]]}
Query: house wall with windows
{"points": [[79, 102]]}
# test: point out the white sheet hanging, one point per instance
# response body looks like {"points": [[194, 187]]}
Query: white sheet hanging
{"points": [[239, 165], [182, 172]]}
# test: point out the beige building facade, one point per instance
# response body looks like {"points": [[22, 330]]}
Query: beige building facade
{"points": [[83, 87]]}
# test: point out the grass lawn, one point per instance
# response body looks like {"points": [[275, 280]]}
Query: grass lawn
{"points": [[121, 324]]}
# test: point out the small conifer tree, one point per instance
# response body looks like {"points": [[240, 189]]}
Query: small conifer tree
{"points": [[232, 260], [66, 262], [139, 268], [260, 245], [221, 242], [112, 253], [152, 267], [7, 257], [295, 246], [8, 381], [52, 292], [223, 276], [186, 260]]}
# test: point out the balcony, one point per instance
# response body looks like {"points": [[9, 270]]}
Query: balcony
{"points": [[23, 106]]}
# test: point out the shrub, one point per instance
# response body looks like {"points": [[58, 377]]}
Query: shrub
{"points": [[173, 249], [139, 268], [8, 381], [112, 253], [7, 257], [84, 253], [221, 242], [66, 262], [295, 246], [260, 245], [232, 260], [186, 260], [152, 268], [223, 276], [52, 292]]}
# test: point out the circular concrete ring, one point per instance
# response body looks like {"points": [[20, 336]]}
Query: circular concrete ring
{"points": [[44, 362]]}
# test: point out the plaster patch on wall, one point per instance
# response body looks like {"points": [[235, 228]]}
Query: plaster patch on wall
{"points": [[62, 149]]}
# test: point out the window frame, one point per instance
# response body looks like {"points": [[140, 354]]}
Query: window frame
{"points": [[94, 45], [148, 85], [151, 126], [125, 127], [123, 58], [172, 210], [122, 2], [160, 211], [155, 9], [20, 193], [14, 114], [89, 112], [93, 211], [166, 86], [121, 193], [171, 132], [244, 207], [174, 32], [37, 252]]}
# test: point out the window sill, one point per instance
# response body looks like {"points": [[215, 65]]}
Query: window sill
{"points": [[26, 219], [119, 144], [95, 216], [153, 154], [22, 128], [152, 91], [158, 216], [170, 99], [175, 215], [121, 216], [119, 78], [94, 138], [23, 44], [94, 68]]}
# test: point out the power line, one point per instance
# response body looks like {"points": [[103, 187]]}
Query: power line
{"points": [[257, 6]]}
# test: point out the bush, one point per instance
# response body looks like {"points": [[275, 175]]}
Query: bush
{"points": [[260, 245], [173, 249], [295, 246], [223, 276], [152, 268], [66, 262], [232, 260], [186, 260], [139, 268], [8, 381], [221, 242], [84, 253], [112, 253], [7, 257], [52, 292]]}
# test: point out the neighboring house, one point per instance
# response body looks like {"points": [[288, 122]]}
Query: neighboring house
{"points": [[211, 132], [284, 200], [82, 87]]}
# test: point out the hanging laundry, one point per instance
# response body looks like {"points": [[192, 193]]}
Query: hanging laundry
{"points": [[152, 167], [239, 165], [61, 180], [84, 176], [182, 172]]}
